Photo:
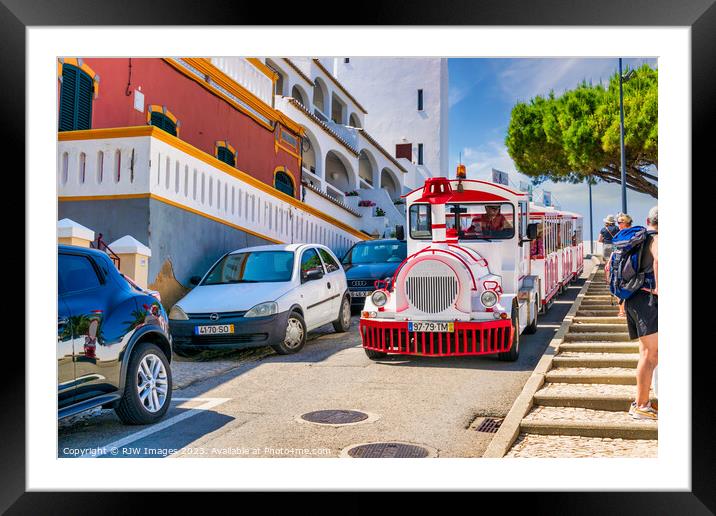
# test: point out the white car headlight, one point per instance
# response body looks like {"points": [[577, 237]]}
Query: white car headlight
{"points": [[177, 314], [379, 297], [488, 298], [263, 309]]}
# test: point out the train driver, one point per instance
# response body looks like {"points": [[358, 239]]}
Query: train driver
{"points": [[494, 221]]}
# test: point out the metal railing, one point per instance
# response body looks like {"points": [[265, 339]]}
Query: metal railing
{"points": [[102, 246]]}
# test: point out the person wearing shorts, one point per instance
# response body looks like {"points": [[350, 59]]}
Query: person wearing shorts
{"points": [[642, 313]]}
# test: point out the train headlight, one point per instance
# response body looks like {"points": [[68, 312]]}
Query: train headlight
{"points": [[379, 298], [488, 298]]}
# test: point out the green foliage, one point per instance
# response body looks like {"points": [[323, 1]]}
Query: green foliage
{"points": [[576, 136]]}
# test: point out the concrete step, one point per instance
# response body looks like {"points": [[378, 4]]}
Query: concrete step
{"points": [[581, 327], [600, 347], [574, 446], [613, 397], [597, 313], [600, 375], [597, 337], [599, 320], [570, 359], [598, 301], [585, 422], [601, 297]]}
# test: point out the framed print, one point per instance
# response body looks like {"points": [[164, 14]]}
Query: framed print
{"points": [[293, 246]]}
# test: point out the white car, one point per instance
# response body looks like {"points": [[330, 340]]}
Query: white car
{"points": [[270, 295]]}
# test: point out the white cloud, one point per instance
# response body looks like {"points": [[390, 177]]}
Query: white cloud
{"points": [[523, 79]]}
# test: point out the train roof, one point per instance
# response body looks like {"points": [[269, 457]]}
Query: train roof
{"points": [[445, 190]]}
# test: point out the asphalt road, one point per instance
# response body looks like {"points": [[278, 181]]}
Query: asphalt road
{"points": [[254, 409]]}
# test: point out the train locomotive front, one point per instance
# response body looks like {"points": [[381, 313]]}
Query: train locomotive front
{"points": [[465, 287]]}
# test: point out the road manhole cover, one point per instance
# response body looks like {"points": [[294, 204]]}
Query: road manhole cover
{"points": [[335, 417], [388, 451], [490, 425]]}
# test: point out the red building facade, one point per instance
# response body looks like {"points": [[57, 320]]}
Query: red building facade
{"points": [[206, 108]]}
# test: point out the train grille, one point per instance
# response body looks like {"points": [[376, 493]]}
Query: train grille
{"points": [[432, 294]]}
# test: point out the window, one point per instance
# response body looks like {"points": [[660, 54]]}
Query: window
{"points": [[75, 273], [420, 154], [404, 150], [347, 60], [76, 95], [328, 261], [523, 219], [283, 183], [481, 221], [310, 262], [537, 245], [225, 154], [420, 100], [420, 222], [372, 252], [163, 122], [252, 267]]}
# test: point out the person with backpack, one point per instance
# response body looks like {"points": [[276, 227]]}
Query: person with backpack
{"points": [[633, 272], [607, 234], [623, 221]]}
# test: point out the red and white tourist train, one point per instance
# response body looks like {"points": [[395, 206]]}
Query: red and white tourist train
{"points": [[482, 261]]}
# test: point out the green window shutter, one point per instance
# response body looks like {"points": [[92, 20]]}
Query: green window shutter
{"points": [[163, 122], [76, 94], [283, 183], [225, 155], [85, 92]]}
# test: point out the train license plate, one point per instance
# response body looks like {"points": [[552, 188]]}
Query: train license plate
{"points": [[429, 326], [361, 293], [214, 329]]}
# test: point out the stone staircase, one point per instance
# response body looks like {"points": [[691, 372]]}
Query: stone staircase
{"points": [[581, 409]]}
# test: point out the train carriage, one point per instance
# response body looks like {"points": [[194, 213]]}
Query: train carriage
{"points": [[546, 253], [466, 287]]}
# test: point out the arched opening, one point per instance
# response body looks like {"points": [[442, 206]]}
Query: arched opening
{"points": [[300, 95], [338, 110], [283, 182], [390, 183], [320, 93], [281, 80], [366, 167], [354, 121], [338, 175], [310, 151]]}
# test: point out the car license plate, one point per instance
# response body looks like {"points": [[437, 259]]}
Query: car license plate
{"points": [[428, 326], [215, 329], [360, 293]]}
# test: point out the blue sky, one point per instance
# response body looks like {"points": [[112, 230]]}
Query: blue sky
{"points": [[482, 93]]}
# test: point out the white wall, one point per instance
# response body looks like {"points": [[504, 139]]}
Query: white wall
{"points": [[388, 89]]}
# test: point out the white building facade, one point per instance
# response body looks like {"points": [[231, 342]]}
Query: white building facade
{"points": [[350, 145], [408, 102]]}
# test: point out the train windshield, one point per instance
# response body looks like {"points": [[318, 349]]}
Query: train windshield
{"points": [[484, 221]]}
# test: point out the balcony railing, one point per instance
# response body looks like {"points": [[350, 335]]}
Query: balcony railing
{"points": [[145, 161], [247, 75]]}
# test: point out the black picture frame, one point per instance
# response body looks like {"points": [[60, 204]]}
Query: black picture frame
{"points": [[700, 15]]}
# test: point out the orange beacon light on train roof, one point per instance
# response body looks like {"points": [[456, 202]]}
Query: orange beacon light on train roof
{"points": [[461, 172]]}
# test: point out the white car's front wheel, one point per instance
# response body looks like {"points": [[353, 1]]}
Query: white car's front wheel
{"points": [[295, 337]]}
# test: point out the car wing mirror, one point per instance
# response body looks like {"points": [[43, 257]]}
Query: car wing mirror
{"points": [[532, 231], [313, 274]]}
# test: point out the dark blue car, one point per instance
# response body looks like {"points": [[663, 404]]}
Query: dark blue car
{"points": [[369, 261], [113, 342]]}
